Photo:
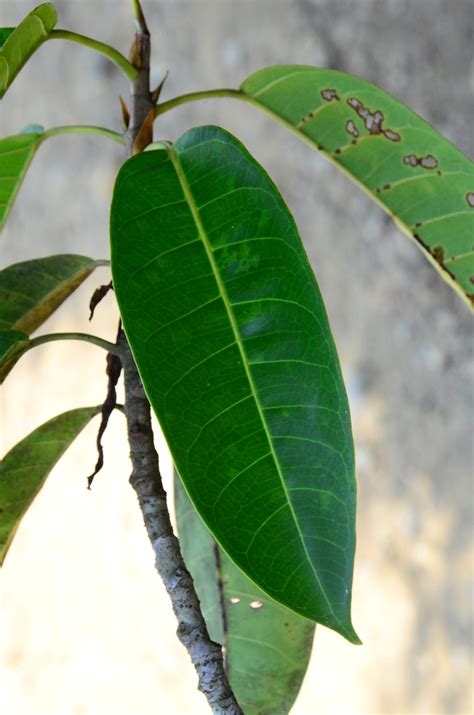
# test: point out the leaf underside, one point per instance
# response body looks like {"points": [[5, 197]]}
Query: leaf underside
{"points": [[32, 290], [267, 647], [24, 469], [424, 182], [25, 39], [231, 338], [16, 154]]}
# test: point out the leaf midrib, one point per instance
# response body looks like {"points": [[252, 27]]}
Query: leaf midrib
{"points": [[228, 306]]}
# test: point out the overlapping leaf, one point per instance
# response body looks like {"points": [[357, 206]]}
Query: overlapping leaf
{"points": [[423, 181], [16, 154], [266, 646], [18, 45], [230, 335], [5, 33], [24, 469], [32, 290]]}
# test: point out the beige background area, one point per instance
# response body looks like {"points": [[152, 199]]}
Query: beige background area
{"points": [[85, 627]]}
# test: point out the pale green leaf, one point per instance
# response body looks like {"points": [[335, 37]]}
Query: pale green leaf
{"points": [[424, 182], [16, 154], [266, 646], [24, 469], [25, 39]]}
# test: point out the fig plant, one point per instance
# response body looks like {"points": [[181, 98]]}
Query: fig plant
{"points": [[224, 334]]}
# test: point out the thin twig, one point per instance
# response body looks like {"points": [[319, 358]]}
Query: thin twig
{"points": [[146, 479]]}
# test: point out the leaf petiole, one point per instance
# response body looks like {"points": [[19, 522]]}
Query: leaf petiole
{"points": [[82, 129], [195, 96], [85, 337], [111, 53]]}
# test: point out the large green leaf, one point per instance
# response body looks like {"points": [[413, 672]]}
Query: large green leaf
{"points": [[16, 154], [424, 182], [24, 469], [266, 646], [232, 341], [25, 39], [31, 291]]}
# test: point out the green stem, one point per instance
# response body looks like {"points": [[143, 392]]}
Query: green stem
{"points": [[194, 96], [114, 55], [93, 339], [83, 129]]}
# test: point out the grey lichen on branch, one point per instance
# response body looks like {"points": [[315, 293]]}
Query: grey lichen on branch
{"points": [[145, 479]]}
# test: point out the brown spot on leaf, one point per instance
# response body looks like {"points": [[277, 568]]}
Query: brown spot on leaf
{"points": [[426, 162], [373, 120], [351, 128], [354, 103], [471, 279], [410, 159], [391, 135], [329, 95], [470, 198], [429, 162], [306, 118], [418, 224], [337, 151], [438, 255]]}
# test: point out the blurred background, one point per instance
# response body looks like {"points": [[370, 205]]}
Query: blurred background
{"points": [[85, 625]]}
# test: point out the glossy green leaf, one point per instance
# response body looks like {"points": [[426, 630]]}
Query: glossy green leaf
{"points": [[16, 154], [31, 291], [424, 182], [232, 341], [25, 39], [13, 343], [267, 647], [24, 469], [5, 33]]}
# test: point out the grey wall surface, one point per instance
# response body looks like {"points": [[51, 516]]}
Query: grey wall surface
{"points": [[405, 339]]}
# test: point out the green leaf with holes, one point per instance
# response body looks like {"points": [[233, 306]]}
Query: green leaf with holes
{"points": [[232, 341], [31, 291], [267, 647], [13, 343], [424, 182], [16, 154], [24, 469], [19, 45]]}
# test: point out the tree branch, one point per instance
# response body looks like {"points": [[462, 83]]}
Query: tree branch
{"points": [[146, 480]]}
